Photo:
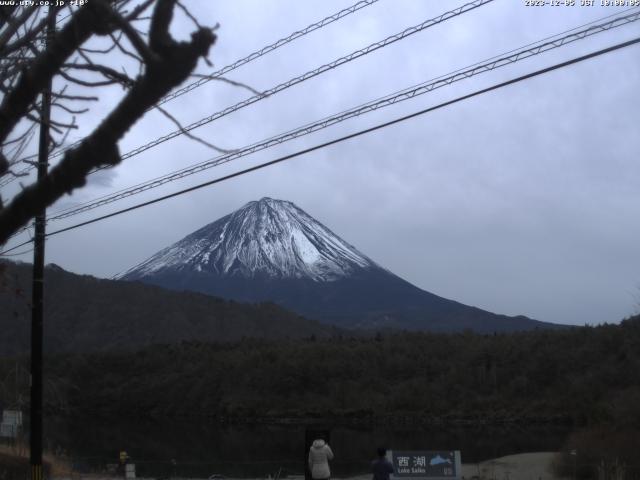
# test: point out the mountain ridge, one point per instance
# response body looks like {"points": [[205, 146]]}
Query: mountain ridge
{"points": [[272, 250], [268, 236]]}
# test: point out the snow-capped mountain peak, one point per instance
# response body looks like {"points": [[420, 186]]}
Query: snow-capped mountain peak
{"points": [[272, 238], [271, 250]]}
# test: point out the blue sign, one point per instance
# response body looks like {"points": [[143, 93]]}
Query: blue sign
{"points": [[426, 464]]}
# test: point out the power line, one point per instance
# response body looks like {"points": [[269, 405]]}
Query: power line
{"points": [[311, 74], [16, 254], [237, 64], [346, 137], [460, 74], [283, 86], [267, 49], [291, 82], [411, 92], [406, 94]]}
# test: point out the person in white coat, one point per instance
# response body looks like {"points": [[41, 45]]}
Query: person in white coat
{"points": [[319, 455]]}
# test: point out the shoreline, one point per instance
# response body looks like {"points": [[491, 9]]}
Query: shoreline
{"points": [[521, 466], [363, 419]]}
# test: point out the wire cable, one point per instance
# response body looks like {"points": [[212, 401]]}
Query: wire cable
{"points": [[479, 67], [347, 137], [3, 254], [460, 74], [295, 80], [310, 74], [406, 94], [267, 49], [206, 162], [237, 64]]}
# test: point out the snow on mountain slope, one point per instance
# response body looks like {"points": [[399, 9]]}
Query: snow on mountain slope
{"points": [[272, 251], [272, 238]]}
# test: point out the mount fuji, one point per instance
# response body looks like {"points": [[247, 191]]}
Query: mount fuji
{"points": [[271, 250]]}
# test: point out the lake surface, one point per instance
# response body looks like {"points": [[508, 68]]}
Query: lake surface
{"points": [[202, 448]]}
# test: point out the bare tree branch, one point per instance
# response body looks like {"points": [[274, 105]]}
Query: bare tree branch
{"points": [[82, 98], [172, 63], [235, 83], [5, 13], [118, 43], [135, 14], [88, 20], [86, 83], [14, 25], [29, 36], [106, 50], [188, 14], [138, 43], [4, 164], [189, 134], [69, 110]]}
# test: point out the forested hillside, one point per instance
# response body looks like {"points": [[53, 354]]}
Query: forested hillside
{"points": [[88, 314], [581, 375]]}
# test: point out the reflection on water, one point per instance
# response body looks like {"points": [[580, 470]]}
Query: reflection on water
{"points": [[202, 448]]}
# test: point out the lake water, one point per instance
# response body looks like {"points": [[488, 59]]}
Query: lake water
{"points": [[202, 448]]}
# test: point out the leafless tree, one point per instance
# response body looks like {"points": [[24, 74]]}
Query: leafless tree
{"points": [[31, 55]]}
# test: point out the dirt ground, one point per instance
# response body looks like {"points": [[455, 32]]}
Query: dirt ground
{"points": [[524, 466]]}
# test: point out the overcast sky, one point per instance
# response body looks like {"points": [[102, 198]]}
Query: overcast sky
{"points": [[522, 201]]}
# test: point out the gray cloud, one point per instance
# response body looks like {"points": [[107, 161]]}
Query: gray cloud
{"points": [[522, 201]]}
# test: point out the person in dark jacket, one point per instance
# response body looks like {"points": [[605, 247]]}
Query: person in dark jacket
{"points": [[381, 467]]}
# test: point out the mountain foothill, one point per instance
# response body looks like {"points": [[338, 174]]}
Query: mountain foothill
{"points": [[267, 270], [237, 313], [271, 250]]}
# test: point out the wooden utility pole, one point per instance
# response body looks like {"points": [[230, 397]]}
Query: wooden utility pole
{"points": [[36, 383]]}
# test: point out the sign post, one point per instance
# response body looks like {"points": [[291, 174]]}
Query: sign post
{"points": [[426, 465], [11, 423]]}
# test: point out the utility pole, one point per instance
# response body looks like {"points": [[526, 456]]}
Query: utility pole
{"points": [[36, 383]]}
